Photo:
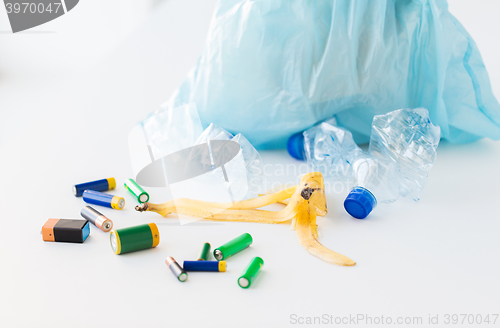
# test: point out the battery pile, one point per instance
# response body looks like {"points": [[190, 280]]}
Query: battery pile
{"points": [[142, 236], [220, 254]]}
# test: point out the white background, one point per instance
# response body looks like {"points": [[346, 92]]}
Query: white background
{"points": [[71, 90]]}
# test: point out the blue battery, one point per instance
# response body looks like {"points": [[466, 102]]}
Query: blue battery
{"points": [[102, 199], [215, 266], [98, 185]]}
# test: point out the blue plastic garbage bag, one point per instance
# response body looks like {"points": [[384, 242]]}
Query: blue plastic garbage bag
{"points": [[271, 68]]}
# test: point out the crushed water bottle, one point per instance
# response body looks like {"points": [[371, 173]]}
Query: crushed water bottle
{"points": [[402, 151], [408, 138]]}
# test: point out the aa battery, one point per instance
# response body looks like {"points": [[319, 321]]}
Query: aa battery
{"points": [[98, 185], [205, 250], [66, 230], [136, 190], [232, 247], [213, 266], [97, 218], [102, 199], [135, 238], [250, 273], [176, 269]]}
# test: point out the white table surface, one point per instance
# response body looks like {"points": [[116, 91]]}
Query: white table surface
{"points": [[436, 257]]}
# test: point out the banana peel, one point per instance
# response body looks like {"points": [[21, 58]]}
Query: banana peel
{"points": [[305, 202]]}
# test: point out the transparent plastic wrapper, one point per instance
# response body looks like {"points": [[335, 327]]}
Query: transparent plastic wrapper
{"points": [[245, 171], [170, 149], [274, 68], [152, 139]]}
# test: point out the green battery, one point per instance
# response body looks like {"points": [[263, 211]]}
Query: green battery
{"points": [[232, 247], [141, 195], [135, 238], [251, 272], [205, 250]]}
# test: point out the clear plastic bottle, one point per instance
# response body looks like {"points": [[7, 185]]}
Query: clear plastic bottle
{"points": [[408, 138], [405, 138]]}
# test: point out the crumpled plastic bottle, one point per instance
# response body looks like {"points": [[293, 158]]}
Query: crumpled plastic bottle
{"points": [[408, 138], [402, 151]]}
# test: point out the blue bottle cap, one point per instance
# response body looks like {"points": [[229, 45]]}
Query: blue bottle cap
{"points": [[295, 146], [360, 202]]}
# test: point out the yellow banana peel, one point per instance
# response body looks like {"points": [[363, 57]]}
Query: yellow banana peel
{"points": [[304, 202]]}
